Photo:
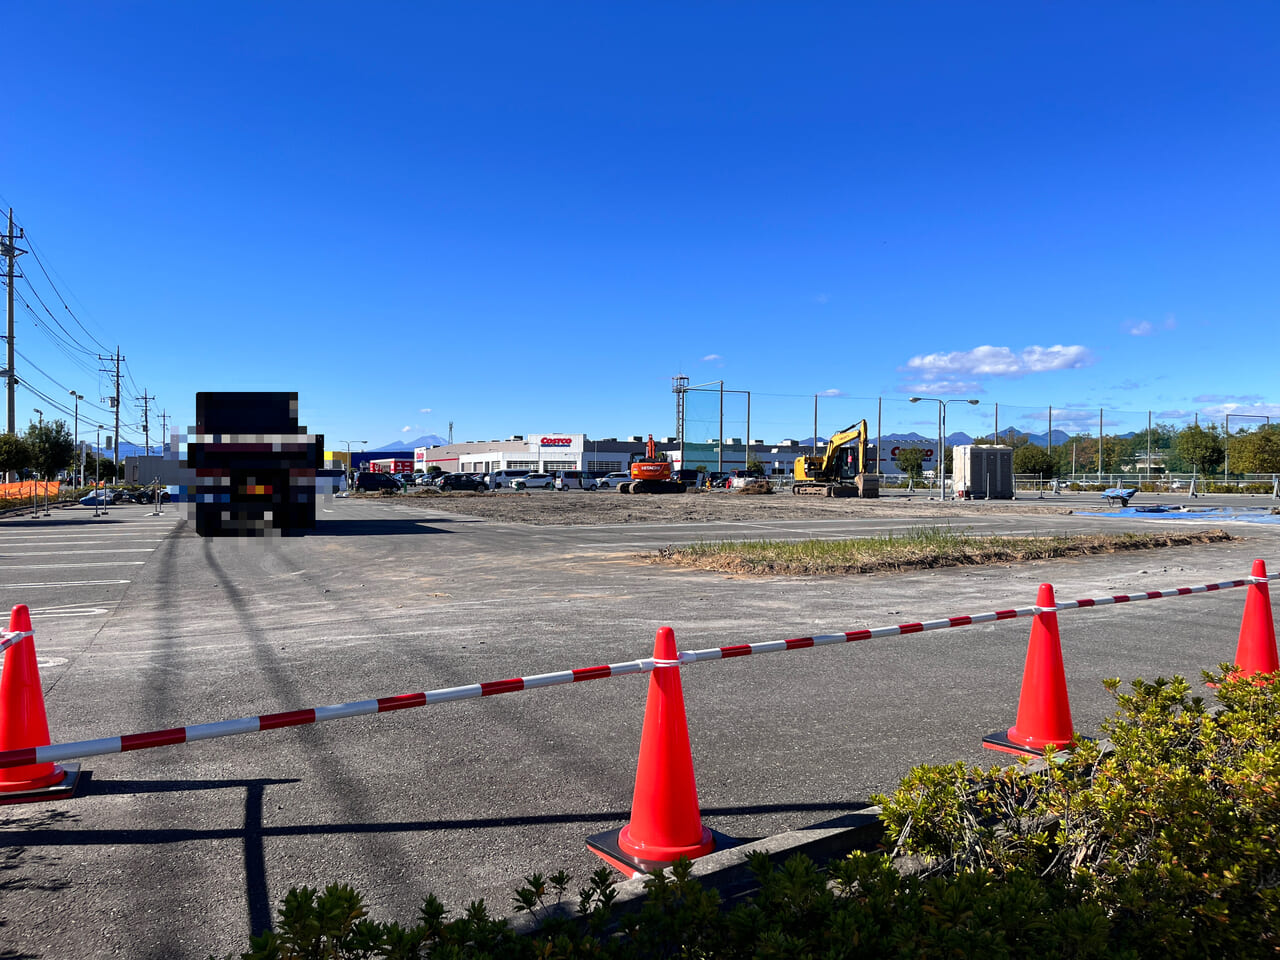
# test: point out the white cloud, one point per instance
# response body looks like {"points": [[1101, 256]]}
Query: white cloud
{"points": [[425, 410], [1219, 411], [988, 361], [832, 393], [1226, 398], [1141, 329], [712, 358], [944, 387], [405, 429]]}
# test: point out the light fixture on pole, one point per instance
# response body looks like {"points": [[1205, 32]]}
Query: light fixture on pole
{"points": [[941, 470], [78, 469]]}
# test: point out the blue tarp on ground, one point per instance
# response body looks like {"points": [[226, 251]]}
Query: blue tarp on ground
{"points": [[1245, 514]]}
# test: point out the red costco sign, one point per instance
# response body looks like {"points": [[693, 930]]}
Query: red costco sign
{"points": [[556, 442]]}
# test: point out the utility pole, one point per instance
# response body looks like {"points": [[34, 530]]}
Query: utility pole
{"points": [[164, 427], [115, 403], [146, 432], [11, 253]]}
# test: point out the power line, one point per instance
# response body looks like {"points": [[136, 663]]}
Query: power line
{"points": [[71, 355], [61, 299], [65, 331], [54, 381]]}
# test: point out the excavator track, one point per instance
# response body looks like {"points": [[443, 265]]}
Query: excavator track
{"points": [[824, 490]]}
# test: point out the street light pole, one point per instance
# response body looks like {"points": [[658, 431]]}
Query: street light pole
{"points": [[941, 470], [79, 481], [97, 470], [350, 471]]}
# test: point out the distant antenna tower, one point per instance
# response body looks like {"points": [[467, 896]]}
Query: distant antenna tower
{"points": [[679, 385], [451, 431]]}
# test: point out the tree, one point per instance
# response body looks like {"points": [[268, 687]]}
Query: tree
{"points": [[1257, 451], [51, 447], [1032, 459], [754, 465], [103, 468], [1202, 448], [15, 453], [911, 461]]}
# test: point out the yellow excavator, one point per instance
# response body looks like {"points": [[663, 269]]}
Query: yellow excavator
{"points": [[842, 469]]}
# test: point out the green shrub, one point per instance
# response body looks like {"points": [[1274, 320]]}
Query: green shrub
{"points": [[1170, 831]]}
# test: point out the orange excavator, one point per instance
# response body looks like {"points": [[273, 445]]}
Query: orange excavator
{"points": [[651, 475]]}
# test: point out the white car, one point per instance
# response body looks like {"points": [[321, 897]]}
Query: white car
{"points": [[531, 480], [613, 479]]}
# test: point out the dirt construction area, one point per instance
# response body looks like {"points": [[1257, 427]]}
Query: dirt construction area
{"points": [[577, 507]]}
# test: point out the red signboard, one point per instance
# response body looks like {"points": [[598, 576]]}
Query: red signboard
{"points": [[556, 441]]}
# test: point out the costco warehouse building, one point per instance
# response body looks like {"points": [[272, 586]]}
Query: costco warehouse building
{"points": [[550, 452]]}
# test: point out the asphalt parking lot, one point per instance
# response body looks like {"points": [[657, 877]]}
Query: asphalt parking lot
{"points": [[181, 851]]}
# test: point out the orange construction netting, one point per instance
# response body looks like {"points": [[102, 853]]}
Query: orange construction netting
{"points": [[29, 488]]}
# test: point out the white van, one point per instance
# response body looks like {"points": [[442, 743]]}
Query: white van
{"points": [[503, 478], [575, 480]]}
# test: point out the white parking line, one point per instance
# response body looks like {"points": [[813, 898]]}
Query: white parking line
{"points": [[59, 583], [79, 612], [89, 563], [51, 553], [45, 538]]}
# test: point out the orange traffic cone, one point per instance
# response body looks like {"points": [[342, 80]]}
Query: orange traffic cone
{"points": [[1044, 715], [23, 725], [665, 822], [1256, 649]]}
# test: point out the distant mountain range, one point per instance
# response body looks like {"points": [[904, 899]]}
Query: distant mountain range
{"points": [[426, 440]]}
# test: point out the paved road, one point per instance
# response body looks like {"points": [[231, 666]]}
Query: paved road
{"points": [[180, 851]]}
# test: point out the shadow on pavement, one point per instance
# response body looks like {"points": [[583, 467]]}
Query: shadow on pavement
{"points": [[64, 832], [395, 526]]}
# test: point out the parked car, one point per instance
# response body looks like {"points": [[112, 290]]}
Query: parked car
{"points": [[103, 498], [145, 495], [613, 479], [503, 478], [461, 481], [543, 481], [576, 480], [377, 481]]}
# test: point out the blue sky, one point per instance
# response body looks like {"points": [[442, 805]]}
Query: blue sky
{"points": [[530, 217]]}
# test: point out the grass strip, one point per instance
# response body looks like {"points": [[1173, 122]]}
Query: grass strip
{"points": [[920, 548]]}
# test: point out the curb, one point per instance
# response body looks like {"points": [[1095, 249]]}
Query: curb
{"points": [[727, 872]]}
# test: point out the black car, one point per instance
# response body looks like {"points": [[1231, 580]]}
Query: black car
{"points": [[461, 481], [377, 481]]}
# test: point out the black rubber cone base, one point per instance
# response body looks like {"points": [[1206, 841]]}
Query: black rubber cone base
{"points": [[1000, 741], [55, 791], [605, 846]]}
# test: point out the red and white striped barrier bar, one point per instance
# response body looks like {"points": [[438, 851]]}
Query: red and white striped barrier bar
{"points": [[9, 638], [59, 752], [852, 636], [295, 718]]}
